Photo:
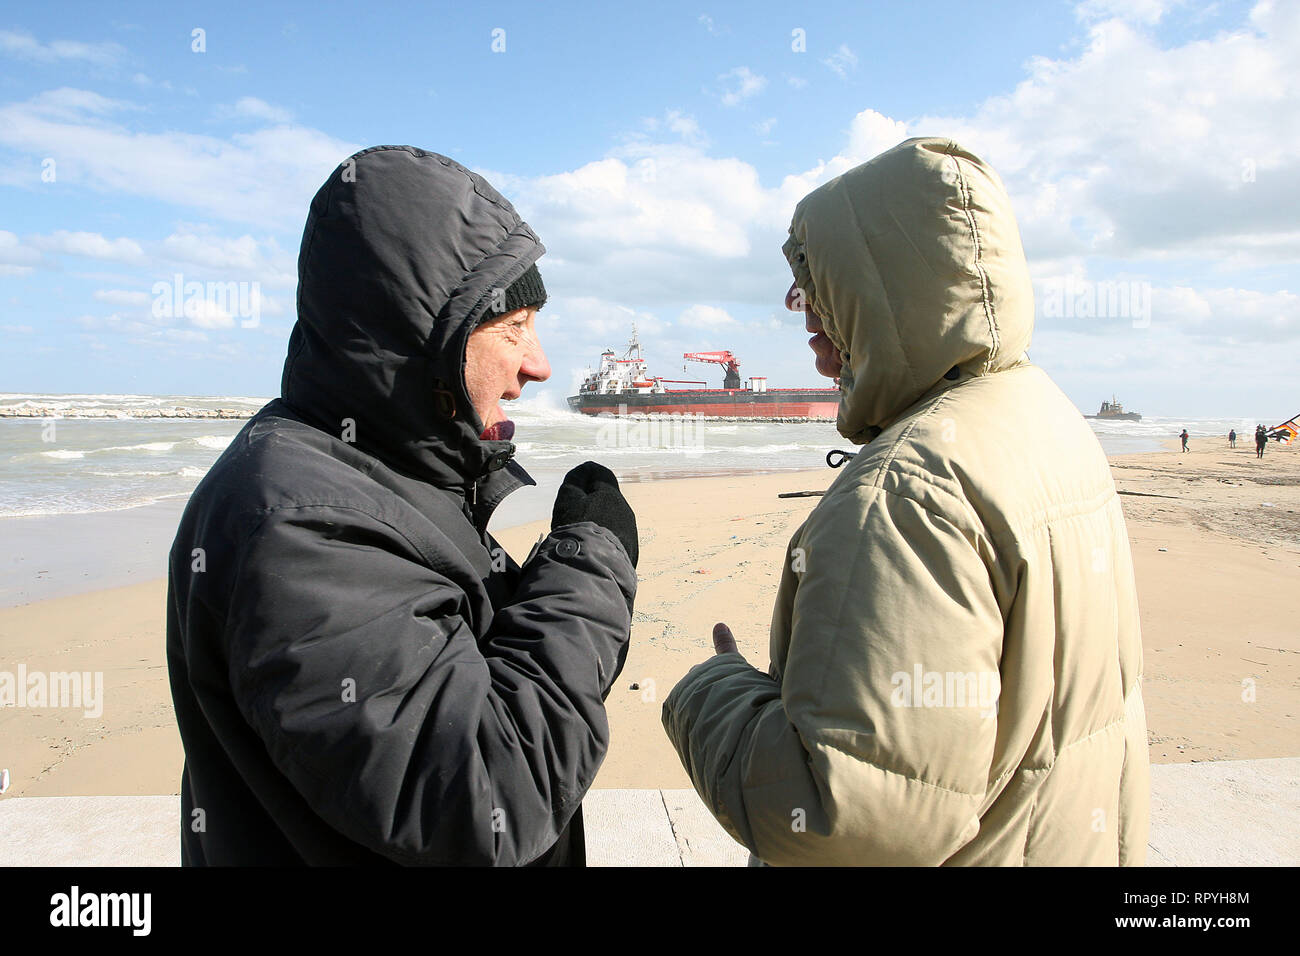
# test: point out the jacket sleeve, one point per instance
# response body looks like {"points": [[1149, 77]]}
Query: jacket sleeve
{"points": [[352, 658], [874, 745]]}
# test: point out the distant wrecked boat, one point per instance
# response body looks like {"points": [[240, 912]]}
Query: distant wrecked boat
{"points": [[623, 386], [1114, 411]]}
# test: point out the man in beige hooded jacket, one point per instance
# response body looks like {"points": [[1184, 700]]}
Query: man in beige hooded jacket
{"points": [[955, 649]]}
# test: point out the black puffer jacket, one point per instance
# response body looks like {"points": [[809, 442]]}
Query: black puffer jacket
{"points": [[360, 674]]}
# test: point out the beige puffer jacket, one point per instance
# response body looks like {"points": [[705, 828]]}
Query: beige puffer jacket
{"points": [[956, 658]]}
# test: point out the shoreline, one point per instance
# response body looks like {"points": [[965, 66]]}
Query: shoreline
{"points": [[116, 546], [120, 546]]}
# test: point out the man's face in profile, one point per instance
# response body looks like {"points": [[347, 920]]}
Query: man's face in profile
{"points": [[502, 356], [827, 355]]}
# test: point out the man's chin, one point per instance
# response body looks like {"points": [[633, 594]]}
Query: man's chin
{"points": [[829, 367]]}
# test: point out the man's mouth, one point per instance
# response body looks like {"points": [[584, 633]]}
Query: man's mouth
{"points": [[828, 357]]}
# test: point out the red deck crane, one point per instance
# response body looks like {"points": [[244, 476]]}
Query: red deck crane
{"points": [[725, 359]]}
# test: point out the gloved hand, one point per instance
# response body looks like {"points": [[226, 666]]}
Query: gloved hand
{"points": [[590, 493]]}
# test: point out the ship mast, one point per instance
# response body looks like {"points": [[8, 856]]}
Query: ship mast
{"points": [[633, 346]]}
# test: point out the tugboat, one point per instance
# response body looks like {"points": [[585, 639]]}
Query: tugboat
{"points": [[1114, 411], [623, 386]]}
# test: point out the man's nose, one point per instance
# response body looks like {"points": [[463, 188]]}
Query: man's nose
{"points": [[792, 298], [794, 301], [535, 366]]}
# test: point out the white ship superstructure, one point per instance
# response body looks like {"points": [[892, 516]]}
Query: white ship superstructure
{"points": [[622, 376]]}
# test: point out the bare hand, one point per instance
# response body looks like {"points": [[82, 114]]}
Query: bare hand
{"points": [[724, 642]]}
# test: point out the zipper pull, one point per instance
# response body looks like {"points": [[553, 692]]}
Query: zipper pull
{"points": [[473, 493]]}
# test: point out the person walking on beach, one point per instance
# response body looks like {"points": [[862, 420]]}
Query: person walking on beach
{"points": [[1183, 436], [1261, 440], [955, 649], [1232, 438], [361, 674]]}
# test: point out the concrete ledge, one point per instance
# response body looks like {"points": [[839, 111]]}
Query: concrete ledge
{"points": [[1229, 813], [90, 831], [1225, 813]]}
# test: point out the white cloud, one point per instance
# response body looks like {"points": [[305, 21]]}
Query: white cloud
{"points": [[267, 176], [740, 84], [682, 125], [91, 245], [250, 107], [16, 259], [122, 297], [704, 316], [1135, 150], [588, 318], [24, 46], [707, 21], [206, 314], [1139, 11], [241, 257], [1123, 160], [842, 62]]}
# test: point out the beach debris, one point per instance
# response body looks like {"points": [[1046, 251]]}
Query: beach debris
{"points": [[1148, 494], [700, 571], [634, 686], [1162, 549], [4, 780], [1267, 504], [800, 494]]}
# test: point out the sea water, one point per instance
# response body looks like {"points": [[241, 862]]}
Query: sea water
{"points": [[72, 465]]}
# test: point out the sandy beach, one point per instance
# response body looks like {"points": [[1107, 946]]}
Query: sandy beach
{"points": [[1216, 544]]}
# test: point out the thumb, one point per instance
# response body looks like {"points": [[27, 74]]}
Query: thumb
{"points": [[724, 642]]}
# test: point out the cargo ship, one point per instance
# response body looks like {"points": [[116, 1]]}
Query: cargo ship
{"points": [[1114, 411], [623, 386]]}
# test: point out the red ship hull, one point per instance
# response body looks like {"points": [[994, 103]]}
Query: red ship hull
{"points": [[811, 403]]}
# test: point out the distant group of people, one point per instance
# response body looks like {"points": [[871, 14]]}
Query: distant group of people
{"points": [[1261, 439]]}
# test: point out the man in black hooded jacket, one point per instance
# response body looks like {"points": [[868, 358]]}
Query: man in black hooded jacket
{"points": [[360, 673]]}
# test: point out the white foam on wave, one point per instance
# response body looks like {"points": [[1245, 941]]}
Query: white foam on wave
{"points": [[185, 472], [48, 509], [132, 474], [62, 454], [147, 446], [217, 442]]}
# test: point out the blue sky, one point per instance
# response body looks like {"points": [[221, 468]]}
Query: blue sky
{"points": [[1150, 147]]}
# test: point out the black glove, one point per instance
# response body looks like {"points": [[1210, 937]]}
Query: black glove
{"points": [[590, 493]]}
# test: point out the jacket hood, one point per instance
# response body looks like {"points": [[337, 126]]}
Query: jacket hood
{"points": [[400, 254], [914, 263]]}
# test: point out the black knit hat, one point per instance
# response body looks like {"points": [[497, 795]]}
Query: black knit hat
{"points": [[525, 292]]}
